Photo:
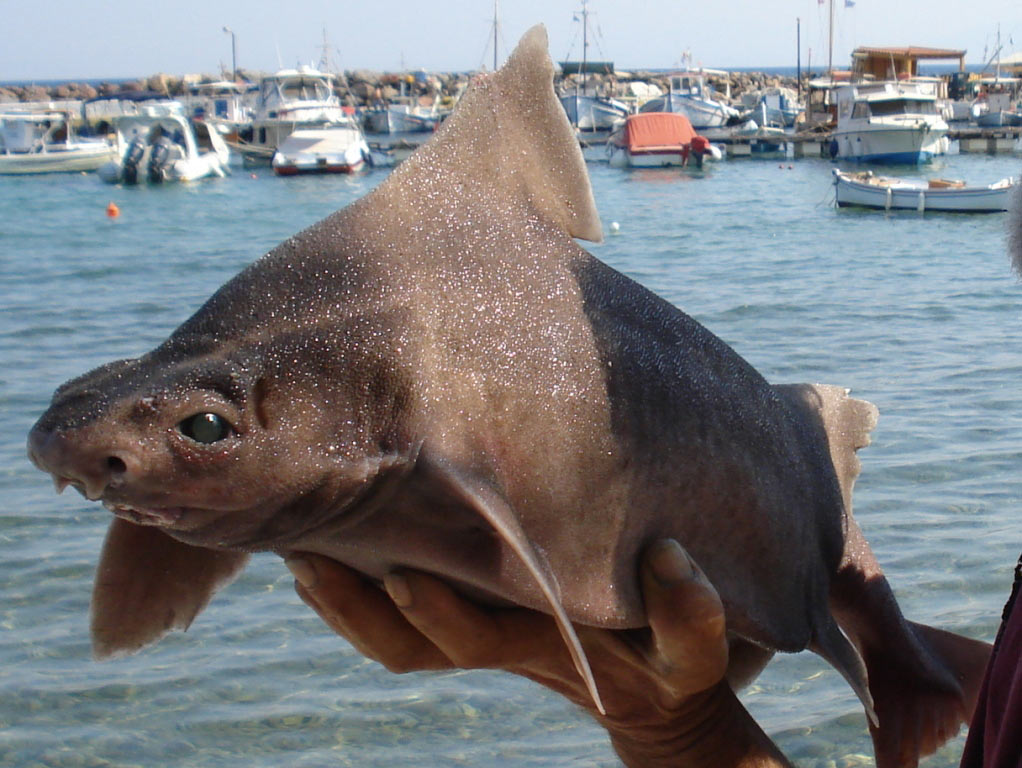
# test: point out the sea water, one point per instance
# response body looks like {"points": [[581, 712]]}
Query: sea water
{"points": [[918, 313]]}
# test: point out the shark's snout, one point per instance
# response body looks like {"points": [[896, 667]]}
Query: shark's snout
{"points": [[75, 457]]}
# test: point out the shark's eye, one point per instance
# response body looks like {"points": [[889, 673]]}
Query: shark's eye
{"points": [[205, 428]]}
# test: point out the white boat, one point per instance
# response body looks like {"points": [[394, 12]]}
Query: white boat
{"points": [[999, 105], [160, 144], [337, 149], [691, 96], [588, 110], [403, 117], [657, 140], [773, 107], [46, 143], [885, 192], [889, 122], [289, 100]]}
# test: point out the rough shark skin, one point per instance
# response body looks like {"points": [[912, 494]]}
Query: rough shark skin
{"points": [[439, 377]]}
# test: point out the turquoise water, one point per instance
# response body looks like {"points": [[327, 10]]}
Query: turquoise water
{"points": [[918, 313]]}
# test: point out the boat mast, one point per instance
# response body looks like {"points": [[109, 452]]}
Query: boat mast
{"points": [[830, 51], [494, 35], [585, 44], [798, 56]]}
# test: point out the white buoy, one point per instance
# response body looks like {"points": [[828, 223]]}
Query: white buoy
{"points": [[615, 227]]}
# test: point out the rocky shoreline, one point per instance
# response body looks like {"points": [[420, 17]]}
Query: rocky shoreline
{"points": [[360, 87]]}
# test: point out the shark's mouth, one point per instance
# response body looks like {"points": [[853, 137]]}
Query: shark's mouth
{"points": [[163, 516]]}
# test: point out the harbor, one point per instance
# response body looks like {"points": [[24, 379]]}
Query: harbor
{"points": [[845, 229]]}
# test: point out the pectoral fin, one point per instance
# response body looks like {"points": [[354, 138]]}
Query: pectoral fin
{"points": [[470, 492], [148, 584]]}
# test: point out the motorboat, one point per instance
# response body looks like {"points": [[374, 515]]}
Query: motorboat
{"points": [[870, 190], [335, 149], [889, 122], [160, 144], [689, 94], [47, 143], [289, 100], [656, 140]]}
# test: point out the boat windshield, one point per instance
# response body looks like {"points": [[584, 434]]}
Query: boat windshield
{"points": [[902, 107], [305, 89]]}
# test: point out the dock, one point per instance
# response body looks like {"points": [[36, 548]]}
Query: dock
{"points": [[970, 138]]}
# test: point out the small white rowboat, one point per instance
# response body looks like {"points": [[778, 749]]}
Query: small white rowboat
{"points": [[885, 192]]}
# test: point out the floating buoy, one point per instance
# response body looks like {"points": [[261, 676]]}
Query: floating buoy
{"points": [[614, 226], [254, 176], [112, 211]]}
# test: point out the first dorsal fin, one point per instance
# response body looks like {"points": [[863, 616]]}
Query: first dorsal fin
{"points": [[510, 138]]}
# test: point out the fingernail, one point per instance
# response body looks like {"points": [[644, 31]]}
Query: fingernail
{"points": [[669, 562], [398, 589], [302, 570]]}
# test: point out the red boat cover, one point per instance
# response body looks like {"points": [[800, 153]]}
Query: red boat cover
{"points": [[649, 130]]}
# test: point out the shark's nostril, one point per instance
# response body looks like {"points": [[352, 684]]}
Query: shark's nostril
{"points": [[116, 465]]}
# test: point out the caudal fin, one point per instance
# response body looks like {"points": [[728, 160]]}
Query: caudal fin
{"points": [[921, 705], [923, 681]]}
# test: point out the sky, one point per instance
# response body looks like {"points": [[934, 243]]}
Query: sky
{"points": [[116, 39]]}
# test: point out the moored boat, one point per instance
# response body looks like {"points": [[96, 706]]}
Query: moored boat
{"points": [[586, 108], [656, 140], [869, 190], [335, 149], [289, 100], [160, 144], [46, 143], [889, 122], [689, 95]]}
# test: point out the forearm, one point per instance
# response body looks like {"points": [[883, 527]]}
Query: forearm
{"points": [[712, 731]]}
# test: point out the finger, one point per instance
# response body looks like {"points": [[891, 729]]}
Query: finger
{"points": [[360, 611], [686, 616], [473, 637]]}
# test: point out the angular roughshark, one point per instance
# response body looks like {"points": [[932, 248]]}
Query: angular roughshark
{"points": [[438, 377]]}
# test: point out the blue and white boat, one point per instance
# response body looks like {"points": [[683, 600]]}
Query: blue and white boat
{"points": [[689, 95], [589, 112], [889, 122], [587, 109], [868, 190]]}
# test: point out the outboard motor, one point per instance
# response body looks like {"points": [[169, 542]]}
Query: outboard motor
{"points": [[700, 148], [158, 158], [133, 156]]}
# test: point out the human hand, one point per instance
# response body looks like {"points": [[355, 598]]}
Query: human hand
{"points": [[666, 701]]}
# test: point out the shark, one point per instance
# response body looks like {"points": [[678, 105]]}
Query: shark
{"points": [[440, 377]]}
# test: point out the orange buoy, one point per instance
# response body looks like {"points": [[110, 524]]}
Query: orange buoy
{"points": [[112, 211]]}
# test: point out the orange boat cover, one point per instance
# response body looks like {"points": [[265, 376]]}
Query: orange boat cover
{"points": [[647, 130]]}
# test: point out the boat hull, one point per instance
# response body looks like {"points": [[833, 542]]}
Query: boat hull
{"points": [[80, 159], [702, 113], [908, 145], [895, 194], [623, 158], [331, 150], [592, 113]]}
